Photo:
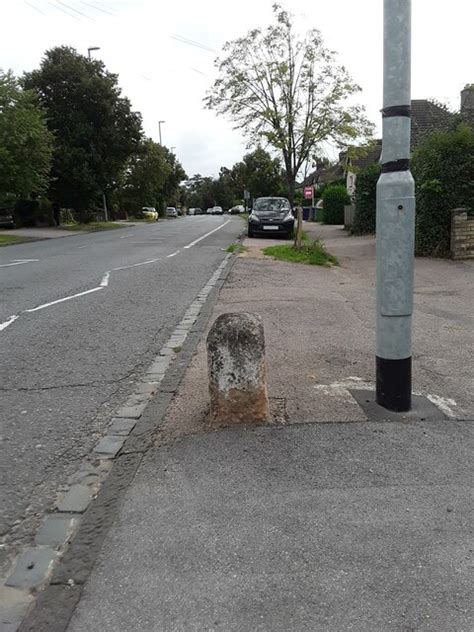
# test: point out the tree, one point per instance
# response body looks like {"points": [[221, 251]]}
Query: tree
{"points": [[25, 142], [260, 174], [151, 178], [95, 128], [287, 92]]}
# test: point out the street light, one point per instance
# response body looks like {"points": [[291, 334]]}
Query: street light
{"points": [[159, 128], [395, 217], [172, 149], [90, 49]]}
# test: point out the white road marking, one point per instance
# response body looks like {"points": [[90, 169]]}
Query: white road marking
{"points": [[62, 300], [136, 265], [444, 404], [8, 322], [105, 280], [196, 241], [18, 262], [172, 255]]}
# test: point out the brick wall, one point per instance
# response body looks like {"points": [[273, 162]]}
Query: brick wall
{"points": [[462, 234]]}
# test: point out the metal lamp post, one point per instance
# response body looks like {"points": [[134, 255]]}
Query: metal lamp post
{"points": [[395, 217], [91, 48], [159, 129]]}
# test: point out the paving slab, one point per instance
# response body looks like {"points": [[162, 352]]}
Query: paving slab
{"points": [[32, 568], [332, 527], [76, 500], [109, 445], [55, 530]]}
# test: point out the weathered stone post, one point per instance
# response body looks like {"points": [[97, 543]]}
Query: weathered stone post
{"points": [[237, 371]]}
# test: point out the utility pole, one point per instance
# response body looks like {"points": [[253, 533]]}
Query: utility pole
{"points": [[91, 48], [395, 217], [159, 129]]}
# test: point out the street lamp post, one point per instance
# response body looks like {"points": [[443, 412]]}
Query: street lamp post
{"points": [[159, 129], [395, 217], [91, 48]]}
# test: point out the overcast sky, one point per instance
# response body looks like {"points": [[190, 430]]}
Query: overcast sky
{"points": [[166, 79]]}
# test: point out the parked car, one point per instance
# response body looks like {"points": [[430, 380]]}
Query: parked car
{"points": [[271, 215], [197, 211], [150, 213], [209, 210], [7, 219], [236, 210], [171, 211], [218, 210]]}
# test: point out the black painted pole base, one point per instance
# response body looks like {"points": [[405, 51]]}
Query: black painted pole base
{"points": [[393, 384]]}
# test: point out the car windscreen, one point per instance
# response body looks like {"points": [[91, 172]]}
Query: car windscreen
{"points": [[271, 204]]}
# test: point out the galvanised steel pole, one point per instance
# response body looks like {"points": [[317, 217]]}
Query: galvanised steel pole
{"points": [[395, 216]]}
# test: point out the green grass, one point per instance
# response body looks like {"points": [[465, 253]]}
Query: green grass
{"points": [[244, 216], [312, 253], [177, 349], [92, 226], [236, 248], [9, 240]]}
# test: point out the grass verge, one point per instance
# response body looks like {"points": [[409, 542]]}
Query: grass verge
{"points": [[9, 240], [236, 248], [312, 253], [92, 226]]}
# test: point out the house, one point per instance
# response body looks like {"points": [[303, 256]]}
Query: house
{"points": [[426, 117]]}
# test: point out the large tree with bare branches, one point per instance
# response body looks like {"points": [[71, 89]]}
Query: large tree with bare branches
{"points": [[288, 92]]}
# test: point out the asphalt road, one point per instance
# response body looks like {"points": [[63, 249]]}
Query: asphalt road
{"points": [[80, 319]]}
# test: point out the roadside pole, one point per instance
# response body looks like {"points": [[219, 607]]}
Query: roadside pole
{"points": [[395, 217]]}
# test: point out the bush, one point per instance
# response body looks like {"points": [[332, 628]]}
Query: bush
{"points": [[443, 168], [67, 216], [366, 200], [335, 198], [26, 212]]}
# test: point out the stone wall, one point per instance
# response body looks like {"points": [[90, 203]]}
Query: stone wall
{"points": [[462, 234]]}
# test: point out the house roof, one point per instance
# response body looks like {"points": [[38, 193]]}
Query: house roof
{"points": [[427, 117], [323, 175]]}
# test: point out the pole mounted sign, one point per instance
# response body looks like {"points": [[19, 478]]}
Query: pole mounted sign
{"points": [[395, 216], [308, 193]]}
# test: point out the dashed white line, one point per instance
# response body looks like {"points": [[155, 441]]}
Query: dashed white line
{"points": [[196, 241], [172, 254], [8, 322], [18, 262], [62, 300], [105, 280], [136, 265]]}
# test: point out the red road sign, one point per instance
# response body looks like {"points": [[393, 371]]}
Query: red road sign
{"points": [[308, 193]]}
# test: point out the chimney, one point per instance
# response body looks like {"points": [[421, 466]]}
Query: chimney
{"points": [[467, 104]]}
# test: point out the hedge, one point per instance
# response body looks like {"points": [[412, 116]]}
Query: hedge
{"points": [[366, 201], [334, 199], [443, 168]]}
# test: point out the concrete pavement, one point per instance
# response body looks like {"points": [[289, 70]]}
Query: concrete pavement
{"points": [[313, 527], [299, 525]]}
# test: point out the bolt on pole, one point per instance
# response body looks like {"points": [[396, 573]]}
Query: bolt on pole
{"points": [[395, 217]]}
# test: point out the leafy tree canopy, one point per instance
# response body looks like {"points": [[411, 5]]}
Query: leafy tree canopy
{"points": [[25, 142], [287, 91], [95, 128]]}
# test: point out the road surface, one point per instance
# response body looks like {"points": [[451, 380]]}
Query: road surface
{"points": [[80, 319]]}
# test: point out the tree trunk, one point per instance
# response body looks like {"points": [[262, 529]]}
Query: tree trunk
{"points": [[291, 190]]}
